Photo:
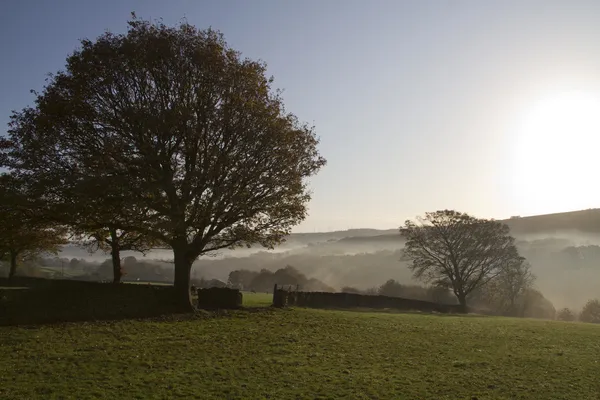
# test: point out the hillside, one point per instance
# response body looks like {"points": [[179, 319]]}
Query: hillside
{"points": [[584, 221]]}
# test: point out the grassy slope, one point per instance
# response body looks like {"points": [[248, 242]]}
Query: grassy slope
{"points": [[290, 354]]}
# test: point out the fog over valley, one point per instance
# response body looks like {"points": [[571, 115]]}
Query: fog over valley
{"points": [[565, 259]]}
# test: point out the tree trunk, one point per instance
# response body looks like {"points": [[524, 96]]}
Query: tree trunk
{"points": [[115, 253], [13, 266], [183, 267], [462, 300]]}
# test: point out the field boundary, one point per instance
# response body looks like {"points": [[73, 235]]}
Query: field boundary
{"points": [[284, 297]]}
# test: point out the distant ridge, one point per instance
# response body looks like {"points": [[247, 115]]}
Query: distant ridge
{"points": [[587, 221]]}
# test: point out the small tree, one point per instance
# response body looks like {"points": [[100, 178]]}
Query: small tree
{"points": [[566, 315], [457, 251], [24, 232], [505, 293], [591, 312], [114, 241], [180, 127]]}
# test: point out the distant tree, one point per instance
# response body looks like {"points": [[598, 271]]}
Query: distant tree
{"points": [[179, 127], [263, 282], [591, 312], [242, 279], [24, 232], [505, 293], [457, 251], [391, 288], [113, 241], [289, 276], [535, 305], [209, 283], [566, 315]]}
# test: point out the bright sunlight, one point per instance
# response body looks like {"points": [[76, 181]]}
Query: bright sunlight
{"points": [[556, 165]]}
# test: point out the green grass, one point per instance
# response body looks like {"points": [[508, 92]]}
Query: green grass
{"points": [[147, 283], [250, 299], [303, 354]]}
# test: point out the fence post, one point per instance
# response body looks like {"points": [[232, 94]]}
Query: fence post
{"points": [[277, 301]]}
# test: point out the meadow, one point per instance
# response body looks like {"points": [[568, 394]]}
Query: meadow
{"points": [[265, 353]]}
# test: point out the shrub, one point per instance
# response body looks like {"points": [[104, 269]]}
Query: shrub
{"points": [[591, 312], [566, 315]]}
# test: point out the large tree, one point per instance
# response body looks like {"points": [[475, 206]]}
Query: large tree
{"points": [[189, 133], [25, 233], [455, 250]]}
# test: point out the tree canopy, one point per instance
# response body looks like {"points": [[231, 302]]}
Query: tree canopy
{"points": [[178, 128], [455, 250]]}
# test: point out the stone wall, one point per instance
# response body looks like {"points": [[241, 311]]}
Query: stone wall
{"points": [[284, 298], [219, 298]]}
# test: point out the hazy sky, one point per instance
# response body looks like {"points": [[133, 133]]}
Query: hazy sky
{"points": [[488, 107]]}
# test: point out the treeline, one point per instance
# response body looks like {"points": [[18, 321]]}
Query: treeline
{"points": [[589, 313], [264, 280], [132, 269]]}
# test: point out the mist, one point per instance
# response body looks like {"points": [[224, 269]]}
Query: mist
{"points": [[566, 262]]}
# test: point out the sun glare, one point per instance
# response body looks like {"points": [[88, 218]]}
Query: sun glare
{"points": [[556, 165]]}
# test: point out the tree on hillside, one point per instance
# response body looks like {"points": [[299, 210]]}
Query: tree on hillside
{"points": [[183, 129], [24, 232], [457, 251]]}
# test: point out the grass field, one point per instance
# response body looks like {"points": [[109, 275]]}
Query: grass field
{"points": [[303, 354], [257, 299]]}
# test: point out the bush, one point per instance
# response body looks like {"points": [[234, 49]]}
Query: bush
{"points": [[566, 315], [591, 312]]}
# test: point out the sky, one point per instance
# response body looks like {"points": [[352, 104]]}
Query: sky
{"points": [[486, 107]]}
